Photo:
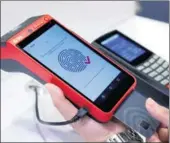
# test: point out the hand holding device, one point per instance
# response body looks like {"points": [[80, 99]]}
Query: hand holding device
{"points": [[87, 128], [92, 131]]}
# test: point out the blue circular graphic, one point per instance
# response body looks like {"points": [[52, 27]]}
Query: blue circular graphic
{"points": [[72, 60]]}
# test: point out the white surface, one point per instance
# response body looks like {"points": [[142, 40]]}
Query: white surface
{"points": [[91, 19], [85, 20]]}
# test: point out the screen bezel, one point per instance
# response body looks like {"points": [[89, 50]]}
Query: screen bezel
{"points": [[117, 93], [135, 62]]}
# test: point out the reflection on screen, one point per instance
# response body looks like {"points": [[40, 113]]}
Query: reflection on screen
{"points": [[73, 61], [123, 47]]}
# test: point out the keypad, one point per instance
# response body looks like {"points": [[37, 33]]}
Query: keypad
{"points": [[152, 60], [160, 69], [146, 64], [160, 61], [156, 57], [152, 74], [140, 67], [165, 82], [156, 68], [159, 77], [165, 73], [147, 70], [165, 65]]}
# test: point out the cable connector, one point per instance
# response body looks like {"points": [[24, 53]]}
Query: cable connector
{"points": [[80, 113]]}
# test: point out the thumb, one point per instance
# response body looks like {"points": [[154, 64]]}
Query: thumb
{"points": [[158, 112]]}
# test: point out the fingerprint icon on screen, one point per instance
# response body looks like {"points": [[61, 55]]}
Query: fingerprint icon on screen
{"points": [[72, 60]]}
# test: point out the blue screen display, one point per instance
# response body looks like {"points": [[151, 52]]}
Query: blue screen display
{"points": [[73, 61], [123, 47]]}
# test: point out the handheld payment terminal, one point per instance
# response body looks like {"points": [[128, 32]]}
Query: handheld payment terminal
{"points": [[89, 79], [149, 67]]}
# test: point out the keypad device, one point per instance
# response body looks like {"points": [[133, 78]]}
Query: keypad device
{"points": [[139, 60], [156, 68]]}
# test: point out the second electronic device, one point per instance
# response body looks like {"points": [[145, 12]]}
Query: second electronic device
{"points": [[148, 66]]}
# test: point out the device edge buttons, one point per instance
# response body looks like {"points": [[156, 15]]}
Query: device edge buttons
{"points": [[46, 18]]}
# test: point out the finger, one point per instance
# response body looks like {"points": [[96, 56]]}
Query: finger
{"points": [[163, 134], [154, 138], [158, 112], [60, 102]]}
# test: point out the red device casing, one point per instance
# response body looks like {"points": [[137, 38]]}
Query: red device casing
{"points": [[11, 51]]}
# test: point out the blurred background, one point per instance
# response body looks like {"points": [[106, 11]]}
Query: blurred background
{"points": [[158, 10]]}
